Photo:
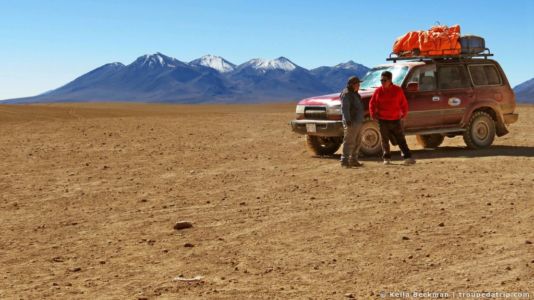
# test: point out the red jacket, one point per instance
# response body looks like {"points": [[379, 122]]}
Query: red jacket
{"points": [[388, 104]]}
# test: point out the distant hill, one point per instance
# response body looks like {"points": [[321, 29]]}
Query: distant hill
{"points": [[334, 77], [524, 92], [160, 78]]}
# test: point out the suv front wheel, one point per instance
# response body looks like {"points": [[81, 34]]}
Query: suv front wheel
{"points": [[318, 145], [480, 131], [371, 144]]}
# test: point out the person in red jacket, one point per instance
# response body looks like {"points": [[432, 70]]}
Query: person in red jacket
{"points": [[388, 105]]}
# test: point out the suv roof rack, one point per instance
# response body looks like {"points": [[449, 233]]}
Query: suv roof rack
{"points": [[415, 55]]}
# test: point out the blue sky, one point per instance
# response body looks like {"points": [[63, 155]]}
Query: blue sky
{"points": [[45, 44]]}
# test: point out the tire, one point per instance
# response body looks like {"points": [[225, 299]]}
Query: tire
{"points": [[371, 141], [480, 131], [430, 140], [318, 145]]}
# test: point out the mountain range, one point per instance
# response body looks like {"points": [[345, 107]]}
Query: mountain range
{"points": [[160, 78], [524, 92]]}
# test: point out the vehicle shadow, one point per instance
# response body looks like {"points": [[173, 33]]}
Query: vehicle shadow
{"points": [[497, 150], [456, 152]]}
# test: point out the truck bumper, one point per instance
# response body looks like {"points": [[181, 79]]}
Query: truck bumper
{"points": [[317, 127], [510, 118]]}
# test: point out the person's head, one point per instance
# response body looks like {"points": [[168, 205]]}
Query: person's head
{"points": [[385, 79], [353, 83]]}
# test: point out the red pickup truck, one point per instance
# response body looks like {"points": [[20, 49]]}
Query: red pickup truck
{"points": [[447, 97]]}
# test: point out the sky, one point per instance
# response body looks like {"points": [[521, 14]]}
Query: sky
{"points": [[46, 44]]}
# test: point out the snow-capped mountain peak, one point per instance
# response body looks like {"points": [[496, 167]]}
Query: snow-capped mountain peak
{"points": [[280, 63], [157, 60], [215, 62]]}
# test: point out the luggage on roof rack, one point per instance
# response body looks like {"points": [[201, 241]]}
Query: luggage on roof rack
{"points": [[472, 44], [438, 41]]}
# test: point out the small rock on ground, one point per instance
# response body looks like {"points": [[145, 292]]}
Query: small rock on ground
{"points": [[182, 225]]}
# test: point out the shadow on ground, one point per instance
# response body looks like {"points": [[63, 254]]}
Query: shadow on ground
{"points": [[455, 152]]}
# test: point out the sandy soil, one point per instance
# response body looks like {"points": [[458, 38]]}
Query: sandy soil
{"points": [[90, 194]]}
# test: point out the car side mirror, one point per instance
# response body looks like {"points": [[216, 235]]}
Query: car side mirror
{"points": [[412, 87]]}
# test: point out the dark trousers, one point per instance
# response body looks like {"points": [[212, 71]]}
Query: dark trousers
{"points": [[352, 140], [393, 128]]}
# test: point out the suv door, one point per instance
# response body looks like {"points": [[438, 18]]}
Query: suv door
{"points": [[455, 92], [424, 104]]}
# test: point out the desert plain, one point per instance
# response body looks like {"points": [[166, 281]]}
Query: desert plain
{"points": [[89, 195]]}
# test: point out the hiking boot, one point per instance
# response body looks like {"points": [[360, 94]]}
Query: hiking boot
{"points": [[387, 161], [345, 164], [409, 161], [356, 164]]}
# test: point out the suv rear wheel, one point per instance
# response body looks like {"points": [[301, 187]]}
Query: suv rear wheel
{"points": [[480, 131], [319, 145], [371, 145], [430, 140]]}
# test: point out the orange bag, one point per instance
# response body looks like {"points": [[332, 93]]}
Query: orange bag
{"points": [[439, 40]]}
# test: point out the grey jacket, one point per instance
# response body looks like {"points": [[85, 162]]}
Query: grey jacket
{"points": [[351, 106]]}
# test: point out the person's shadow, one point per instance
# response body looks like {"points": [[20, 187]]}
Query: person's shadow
{"points": [[452, 152]]}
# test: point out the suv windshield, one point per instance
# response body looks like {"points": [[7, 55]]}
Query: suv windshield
{"points": [[372, 78]]}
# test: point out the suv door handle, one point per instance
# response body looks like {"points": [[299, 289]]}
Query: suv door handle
{"points": [[435, 98]]}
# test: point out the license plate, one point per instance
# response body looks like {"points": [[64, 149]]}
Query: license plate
{"points": [[310, 127]]}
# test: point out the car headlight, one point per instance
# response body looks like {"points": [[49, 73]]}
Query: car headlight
{"points": [[333, 110], [300, 109]]}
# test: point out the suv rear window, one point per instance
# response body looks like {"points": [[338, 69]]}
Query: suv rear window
{"points": [[484, 75], [452, 77]]}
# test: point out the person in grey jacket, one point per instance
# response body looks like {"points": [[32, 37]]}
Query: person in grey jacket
{"points": [[353, 113]]}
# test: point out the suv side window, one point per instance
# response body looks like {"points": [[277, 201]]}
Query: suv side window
{"points": [[484, 75], [452, 77], [426, 78]]}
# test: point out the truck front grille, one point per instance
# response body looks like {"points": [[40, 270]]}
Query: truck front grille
{"points": [[315, 113]]}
